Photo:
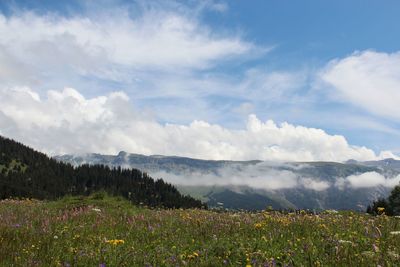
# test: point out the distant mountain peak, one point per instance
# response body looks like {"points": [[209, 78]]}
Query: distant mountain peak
{"points": [[122, 154]]}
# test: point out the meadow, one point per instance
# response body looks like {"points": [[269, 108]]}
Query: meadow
{"points": [[105, 231]]}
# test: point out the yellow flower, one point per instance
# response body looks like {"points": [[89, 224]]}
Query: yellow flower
{"points": [[257, 225], [193, 255], [115, 241], [381, 209]]}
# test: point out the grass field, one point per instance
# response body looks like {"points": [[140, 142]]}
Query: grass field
{"points": [[105, 231]]}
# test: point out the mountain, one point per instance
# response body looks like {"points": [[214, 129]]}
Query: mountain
{"points": [[257, 184], [386, 164], [28, 173]]}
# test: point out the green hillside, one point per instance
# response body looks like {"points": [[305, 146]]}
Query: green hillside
{"points": [[28, 173], [103, 231]]}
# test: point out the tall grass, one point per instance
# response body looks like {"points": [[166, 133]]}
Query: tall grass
{"points": [[104, 231]]}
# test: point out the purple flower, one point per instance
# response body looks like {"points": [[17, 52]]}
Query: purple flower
{"points": [[102, 265]]}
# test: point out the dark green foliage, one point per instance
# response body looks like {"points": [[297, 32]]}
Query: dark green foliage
{"points": [[28, 173], [380, 203], [394, 200], [391, 205]]}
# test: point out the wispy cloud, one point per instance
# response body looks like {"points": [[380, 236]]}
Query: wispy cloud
{"points": [[367, 79], [114, 46]]}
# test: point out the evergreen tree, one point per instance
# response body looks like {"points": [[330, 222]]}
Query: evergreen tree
{"points": [[394, 200], [28, 173]]}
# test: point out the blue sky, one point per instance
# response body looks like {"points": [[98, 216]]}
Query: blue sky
{"points": [[332, 66]]}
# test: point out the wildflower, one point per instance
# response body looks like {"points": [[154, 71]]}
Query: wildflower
{"points": [[395, 233], [393, 255], [380, 210], [257, 225], [345, 241], [55, 237], [115, 241], [368, 254], [331, 211], [96, 210]]}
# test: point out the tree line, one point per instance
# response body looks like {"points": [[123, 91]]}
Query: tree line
{"points": [[25, 172]]}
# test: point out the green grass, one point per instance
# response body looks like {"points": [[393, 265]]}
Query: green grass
{"points": [[82, 231]]}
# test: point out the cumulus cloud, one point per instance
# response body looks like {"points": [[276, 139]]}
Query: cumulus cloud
{"points": [[67, 122], [368, 79], [367, 179]]}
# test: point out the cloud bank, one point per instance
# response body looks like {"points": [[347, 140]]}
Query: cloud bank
{"points": [[67, 122], [366, 180], [263, 176]]}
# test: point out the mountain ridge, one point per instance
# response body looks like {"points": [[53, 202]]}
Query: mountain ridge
{"points": [[209, 180]]}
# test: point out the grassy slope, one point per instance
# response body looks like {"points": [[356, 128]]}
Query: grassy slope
{"points": [[77, 232]]}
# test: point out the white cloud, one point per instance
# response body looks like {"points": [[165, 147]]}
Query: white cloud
{"points": [[251, 177], [67, 122], [157, 53], [368, 79], [113, 46], [259, 84], [366, 180], [262, 176], [313, 184]]}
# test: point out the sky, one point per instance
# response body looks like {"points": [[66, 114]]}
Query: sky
{"points": [[234, 80]]}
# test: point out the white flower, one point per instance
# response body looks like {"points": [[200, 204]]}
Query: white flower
{"points": [[331, 211], [393, 255], [345, 242], [55, 237], [395, 233], [96, 210]]}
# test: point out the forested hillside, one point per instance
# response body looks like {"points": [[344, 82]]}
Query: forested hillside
{"points": [[25, 172]]}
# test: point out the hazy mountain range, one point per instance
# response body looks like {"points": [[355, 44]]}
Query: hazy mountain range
{"points": [[257, 184]]}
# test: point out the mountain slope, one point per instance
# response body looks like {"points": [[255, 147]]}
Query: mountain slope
{"points": [[256, 184], [28, 173]]}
